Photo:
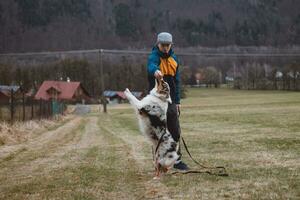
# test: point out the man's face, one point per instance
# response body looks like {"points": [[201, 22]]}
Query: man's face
{"points": [[165, 48]]}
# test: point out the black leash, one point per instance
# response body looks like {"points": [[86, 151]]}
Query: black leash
{"points": [[220, 170], [159, 142]]}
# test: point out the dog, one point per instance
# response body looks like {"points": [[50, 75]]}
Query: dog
{"points": [[152, 116]]}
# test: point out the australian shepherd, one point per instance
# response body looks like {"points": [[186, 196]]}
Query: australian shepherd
{"points": [[152, 116]]}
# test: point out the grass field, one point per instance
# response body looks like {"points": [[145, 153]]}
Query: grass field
{"points": [[255, 134]]}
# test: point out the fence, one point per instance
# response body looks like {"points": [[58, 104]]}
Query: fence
{"points": [[19, 107], [241, 64]]}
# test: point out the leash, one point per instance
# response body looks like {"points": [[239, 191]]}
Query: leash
{"points": [[217, 171], [159, 142]]}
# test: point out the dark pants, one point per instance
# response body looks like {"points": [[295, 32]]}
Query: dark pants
{"points": [[173, 125]]}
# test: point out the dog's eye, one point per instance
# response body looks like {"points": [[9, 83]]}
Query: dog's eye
{"points": [[170, 156]]}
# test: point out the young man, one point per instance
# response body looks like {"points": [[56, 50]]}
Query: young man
{"points": [[162, 63]]}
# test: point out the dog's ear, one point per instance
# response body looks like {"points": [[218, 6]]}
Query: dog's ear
{"points": [[156, 83]]}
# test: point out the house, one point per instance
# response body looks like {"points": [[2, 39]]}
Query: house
{"points": [[115, 97], [62, 90], [31, 93], [5, 92]]}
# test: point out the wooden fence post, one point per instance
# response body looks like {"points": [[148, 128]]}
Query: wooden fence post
{"points": [[40, 111], [11, 106], [23, 99], [100, 58], [51, 112], [49, 109], [32, 115]]}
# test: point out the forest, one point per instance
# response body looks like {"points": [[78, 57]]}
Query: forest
{"points": [[50, 25], [239, 26], [121, 71]]}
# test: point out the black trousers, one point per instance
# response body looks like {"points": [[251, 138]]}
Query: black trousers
{"points": [[173, 125]]}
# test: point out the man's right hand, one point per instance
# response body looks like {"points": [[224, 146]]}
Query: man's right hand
{"points": [[158, 74]]}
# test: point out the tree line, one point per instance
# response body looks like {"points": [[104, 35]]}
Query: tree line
{"points": [[116, 77], [250, 75], [127, 72], [45, 25]]}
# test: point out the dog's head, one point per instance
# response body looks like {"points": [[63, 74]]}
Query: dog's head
{"points": [[162, 90]]}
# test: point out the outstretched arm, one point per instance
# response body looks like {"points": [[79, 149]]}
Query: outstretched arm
{"points": [[153, 66]]}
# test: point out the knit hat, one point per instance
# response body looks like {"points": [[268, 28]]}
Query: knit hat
{"points": [[164, 38]]}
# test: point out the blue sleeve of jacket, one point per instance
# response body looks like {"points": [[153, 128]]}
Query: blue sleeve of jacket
{"points": [[177, 83], [153, 64]]}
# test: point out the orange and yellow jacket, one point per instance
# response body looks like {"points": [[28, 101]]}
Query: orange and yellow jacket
{"points": [[168, 65]]}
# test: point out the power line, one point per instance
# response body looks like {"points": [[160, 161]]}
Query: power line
{"points": [[145, 52]]}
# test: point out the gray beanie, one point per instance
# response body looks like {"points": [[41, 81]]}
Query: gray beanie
{"points": [[164, 38]]}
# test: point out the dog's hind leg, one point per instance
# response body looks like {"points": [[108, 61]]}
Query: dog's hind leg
{"points": [[157, 171]]}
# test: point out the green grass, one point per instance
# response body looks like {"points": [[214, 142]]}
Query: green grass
{"points": [[254, 134]]}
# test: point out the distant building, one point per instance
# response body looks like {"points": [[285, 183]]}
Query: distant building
{"points": [[31, 93], [62, 90], [5, 92], [115, 97]]}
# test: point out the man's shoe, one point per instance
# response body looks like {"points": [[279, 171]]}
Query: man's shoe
{"points": [[181, 166]]}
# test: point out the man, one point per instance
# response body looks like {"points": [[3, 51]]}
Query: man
{"points": [[162, 63]]}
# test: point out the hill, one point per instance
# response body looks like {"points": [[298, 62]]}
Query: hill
{"points": [[30, 25]]}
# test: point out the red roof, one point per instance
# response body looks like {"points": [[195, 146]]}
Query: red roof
{"points": [[121, 94], [66, 90], [4, 95], [54, 87]]}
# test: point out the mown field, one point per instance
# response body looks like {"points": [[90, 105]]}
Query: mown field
{"points": [[255, 134]]}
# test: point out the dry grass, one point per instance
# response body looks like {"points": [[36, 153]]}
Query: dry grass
{"points": [[21, 131], [255, 134]]}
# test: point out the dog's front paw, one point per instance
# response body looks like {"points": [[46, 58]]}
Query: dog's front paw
{"points": [[127, 91]]}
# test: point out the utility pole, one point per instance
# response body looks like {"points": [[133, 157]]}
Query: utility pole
{"points": [[12, 106], [102, 81]]}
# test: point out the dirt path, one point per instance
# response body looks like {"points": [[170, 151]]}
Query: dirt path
{"points": [[87, 157], [24, 160], [137, 144]]}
